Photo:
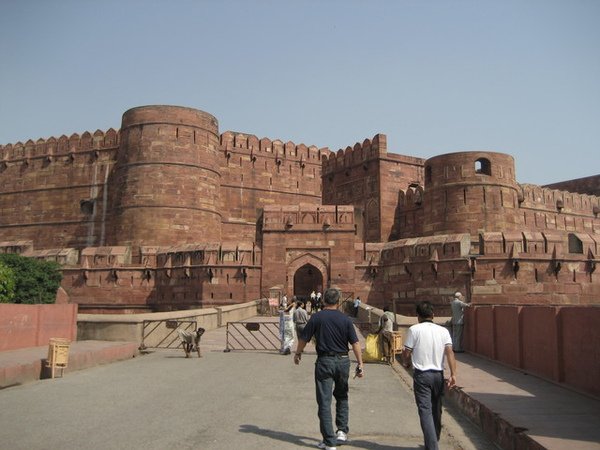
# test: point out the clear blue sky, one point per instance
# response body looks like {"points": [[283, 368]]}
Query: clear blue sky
{"points": [[514, 76]]}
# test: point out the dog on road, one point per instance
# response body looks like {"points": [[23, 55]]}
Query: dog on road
{"points": [[190, 340]]}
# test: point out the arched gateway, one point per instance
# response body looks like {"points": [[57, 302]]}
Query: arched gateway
{"points": [[308, 273]]}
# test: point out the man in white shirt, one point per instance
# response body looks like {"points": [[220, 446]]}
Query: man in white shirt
{"points": [[426, 345]]}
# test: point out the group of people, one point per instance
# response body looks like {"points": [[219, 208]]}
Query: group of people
{"points": [[427, 347], [315, 301]]}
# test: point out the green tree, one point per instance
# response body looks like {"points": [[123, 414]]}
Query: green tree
{"points": [[36, 281], [7, 283]]}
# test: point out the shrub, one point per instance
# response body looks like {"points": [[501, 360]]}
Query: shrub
{"points": [[7, 283], [36, 281]]}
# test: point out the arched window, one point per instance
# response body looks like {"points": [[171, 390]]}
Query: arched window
{"points": [[483, 166]]}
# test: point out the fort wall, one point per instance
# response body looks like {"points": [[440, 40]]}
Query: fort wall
{"points": [[167, 186], [586, 185], [551, 209], [167, 167], [263, 172], [52, 191], [475, 191], [106, 279], [514, 267], [369, 178]]}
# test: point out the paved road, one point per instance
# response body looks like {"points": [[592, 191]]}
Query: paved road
{"points": [[241, 400]]}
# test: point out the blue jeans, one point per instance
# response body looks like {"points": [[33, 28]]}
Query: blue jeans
{"points": [[429, 391], [331, 377]]}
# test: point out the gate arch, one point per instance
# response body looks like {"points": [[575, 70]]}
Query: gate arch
{"points": [[300, 267]]}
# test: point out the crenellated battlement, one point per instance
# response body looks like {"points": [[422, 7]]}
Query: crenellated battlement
{"points": [[47, 148], [231, 141], [208, 254], [509, 247], [554, 200], [352, 156], [550, 245]]}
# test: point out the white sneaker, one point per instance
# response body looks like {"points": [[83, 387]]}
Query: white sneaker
{"points": [[341, 437], [322, 445]]}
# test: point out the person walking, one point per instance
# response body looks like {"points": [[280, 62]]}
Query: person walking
{"points": [[286, 329], [458, 321], [426, 345], [300, 317], [385, 332], [333, 331]]}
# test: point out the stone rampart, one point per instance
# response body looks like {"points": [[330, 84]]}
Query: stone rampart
{"points": [[586, 185], [53, 191], [369, 178], [256, 173], [550, 268]]}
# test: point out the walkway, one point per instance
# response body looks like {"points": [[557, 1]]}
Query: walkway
{"points": [[258, 400]]}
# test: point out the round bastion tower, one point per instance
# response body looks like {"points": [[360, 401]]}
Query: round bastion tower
{"points": [[167, 180], [470, 192]]}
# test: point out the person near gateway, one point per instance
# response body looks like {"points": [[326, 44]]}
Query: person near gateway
{"points": [[300, 317], [458, 321], [333, 331], [426, 346]]}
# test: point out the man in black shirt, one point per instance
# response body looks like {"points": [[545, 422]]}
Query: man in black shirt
{"points": [[333, 332]]}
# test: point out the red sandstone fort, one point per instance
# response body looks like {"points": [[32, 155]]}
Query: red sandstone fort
{"points": [[166, 213]]}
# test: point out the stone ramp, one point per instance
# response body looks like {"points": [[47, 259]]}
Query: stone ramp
{"points": [[28, 364]]}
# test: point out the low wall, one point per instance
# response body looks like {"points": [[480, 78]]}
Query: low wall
{"points": [[370, 314], [130, 327], [23, 326], [559, 343]]}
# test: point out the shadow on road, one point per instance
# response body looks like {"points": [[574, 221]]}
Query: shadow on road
{"points": [[310, 442]]}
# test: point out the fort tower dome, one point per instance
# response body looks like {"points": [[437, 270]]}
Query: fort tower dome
{"points": [[470, 192], [165, 189]]}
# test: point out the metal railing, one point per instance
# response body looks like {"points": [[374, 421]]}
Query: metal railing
{"points": [[253, 336], [163, 333]]}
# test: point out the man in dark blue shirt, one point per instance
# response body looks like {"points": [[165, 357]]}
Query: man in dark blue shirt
{"points": [[333, 332]]}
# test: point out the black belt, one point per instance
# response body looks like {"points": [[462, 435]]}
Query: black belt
{"points": [[331, 354], [427, 371]]}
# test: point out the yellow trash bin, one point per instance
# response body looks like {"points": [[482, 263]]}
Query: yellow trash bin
{"points": [[58, 354]]}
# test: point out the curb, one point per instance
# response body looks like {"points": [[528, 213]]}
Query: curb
{"points": [[82, 355]]}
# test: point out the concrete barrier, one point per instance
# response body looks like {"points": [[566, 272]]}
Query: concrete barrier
{"points": [[23, 326], [130, 327]]}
